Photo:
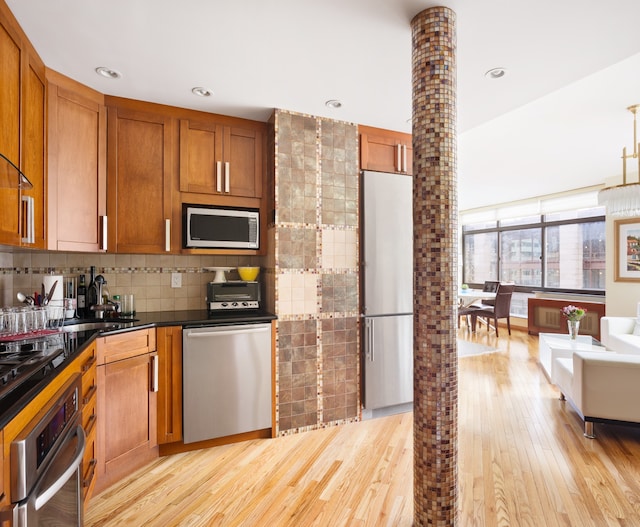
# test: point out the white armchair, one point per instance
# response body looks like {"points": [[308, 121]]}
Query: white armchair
{"points": [[617, 334], [604, 386]]}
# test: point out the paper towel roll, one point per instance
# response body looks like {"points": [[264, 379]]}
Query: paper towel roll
{"points": [[58, 294]]}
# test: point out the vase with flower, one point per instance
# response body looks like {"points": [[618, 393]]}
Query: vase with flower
{"points": [[574, 315]]}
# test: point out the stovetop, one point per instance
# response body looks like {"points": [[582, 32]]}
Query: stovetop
{"points": [[25, 362]]}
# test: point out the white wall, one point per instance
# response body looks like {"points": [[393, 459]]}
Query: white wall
{"points": [[622, 297]]}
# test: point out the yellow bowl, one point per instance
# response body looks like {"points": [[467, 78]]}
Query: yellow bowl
{"points": [[248, 274]]}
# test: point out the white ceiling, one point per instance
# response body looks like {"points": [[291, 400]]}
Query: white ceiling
{"points": [[557, 121]]}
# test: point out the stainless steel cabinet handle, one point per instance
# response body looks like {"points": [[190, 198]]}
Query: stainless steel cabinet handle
{"points": [[53, 489], [398, 158], [218, 176], [105, 232], [167, 235], [28, 220], [154, 373], [404, 158], [32, 221], [227, 175]]}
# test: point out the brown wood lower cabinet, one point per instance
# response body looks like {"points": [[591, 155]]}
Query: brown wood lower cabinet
{"points": [[4, 501], [89, 419], [169, 340], [126, 404]]}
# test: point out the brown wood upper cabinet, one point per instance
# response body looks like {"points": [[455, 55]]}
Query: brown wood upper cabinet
{"points": [[140, 179], [223, 160], [22, 107], [77, 166], [385, 150]]}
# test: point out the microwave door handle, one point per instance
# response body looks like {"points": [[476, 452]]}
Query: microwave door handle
{"points": [[218, 176], [226, 177]]}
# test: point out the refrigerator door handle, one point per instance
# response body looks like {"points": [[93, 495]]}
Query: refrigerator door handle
{"points": [[370, 341]]}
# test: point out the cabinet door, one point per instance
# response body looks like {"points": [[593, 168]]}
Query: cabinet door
{"points": [[139, 181], [169, 340], [89, 419], [127, 427], [243, 162], [77, 163], [10, 204], [33, 140], [2, 482], [200, 157], [385, 151], [220, 160]]}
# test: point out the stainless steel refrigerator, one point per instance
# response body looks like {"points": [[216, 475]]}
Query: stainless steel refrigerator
{"points": [[387, 212]]}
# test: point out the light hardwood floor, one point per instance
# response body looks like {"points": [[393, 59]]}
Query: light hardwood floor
{"points": [[523, 461]]}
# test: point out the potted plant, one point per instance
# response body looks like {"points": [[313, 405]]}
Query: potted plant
{"points": [[573, 314]]}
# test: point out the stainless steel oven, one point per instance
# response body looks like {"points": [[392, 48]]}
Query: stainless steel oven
{"points": [[46, 460]]}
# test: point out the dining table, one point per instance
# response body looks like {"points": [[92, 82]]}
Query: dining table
{"points": [[466, 297]]}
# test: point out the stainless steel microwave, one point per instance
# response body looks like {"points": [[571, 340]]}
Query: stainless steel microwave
{"points": [[220, 228]]}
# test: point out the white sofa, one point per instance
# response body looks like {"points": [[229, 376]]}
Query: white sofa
{"points": [[604, 386]]}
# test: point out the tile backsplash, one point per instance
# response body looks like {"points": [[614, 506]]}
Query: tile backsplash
{"points": [[148, 277]]}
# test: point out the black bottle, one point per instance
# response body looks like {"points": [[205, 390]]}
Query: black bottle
{"points": [[82, 298], [92, 292]]}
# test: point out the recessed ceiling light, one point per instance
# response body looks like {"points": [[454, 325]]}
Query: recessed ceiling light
{"points": [[495, 73], [333, 103], [108, 73], [201, 92]]}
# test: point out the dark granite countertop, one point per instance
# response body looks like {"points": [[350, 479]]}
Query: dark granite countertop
{"points": [[75, 342]]}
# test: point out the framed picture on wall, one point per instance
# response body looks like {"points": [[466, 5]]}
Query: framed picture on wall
{"points": [[627, 250]]}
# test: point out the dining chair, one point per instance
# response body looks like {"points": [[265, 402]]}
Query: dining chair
{"points": [[500, 310], [490, 286]]}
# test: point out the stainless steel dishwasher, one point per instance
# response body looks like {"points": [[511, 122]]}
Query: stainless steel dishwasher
{"points": [[226, 380]]}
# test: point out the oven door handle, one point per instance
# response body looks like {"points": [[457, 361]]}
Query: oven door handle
{"points": [[49, 492]]}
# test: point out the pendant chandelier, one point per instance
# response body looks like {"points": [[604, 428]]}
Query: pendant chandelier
{"points": [[624, 200]]}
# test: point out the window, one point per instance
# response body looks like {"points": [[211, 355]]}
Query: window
{"points": [[575, 256], [558, 251], [481, 257], [520, 257]]}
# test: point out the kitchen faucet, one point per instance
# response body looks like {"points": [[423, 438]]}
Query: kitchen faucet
{"points": [[97, 303]]}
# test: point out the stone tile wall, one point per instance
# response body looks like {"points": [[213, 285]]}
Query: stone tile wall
{"points": [[313, 271]]}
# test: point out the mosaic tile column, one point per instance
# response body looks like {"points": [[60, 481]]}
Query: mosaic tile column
{"points": [[435, 266]]}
